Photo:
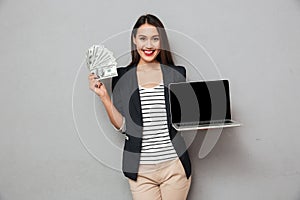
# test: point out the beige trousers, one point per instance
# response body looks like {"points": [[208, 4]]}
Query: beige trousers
{"points": [[163, 181]]}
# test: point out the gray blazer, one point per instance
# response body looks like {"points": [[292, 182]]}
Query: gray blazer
{"points": [[126, 99]]}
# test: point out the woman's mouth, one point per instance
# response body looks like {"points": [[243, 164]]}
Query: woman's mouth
{"points": [[148, 52]]}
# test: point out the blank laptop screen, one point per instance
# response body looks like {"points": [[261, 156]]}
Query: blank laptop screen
{"points": [[200, 101]]}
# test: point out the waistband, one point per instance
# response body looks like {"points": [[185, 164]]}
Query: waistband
{"points": [[153, 167]]}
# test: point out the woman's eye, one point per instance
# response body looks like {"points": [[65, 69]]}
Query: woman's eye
{"points": [[156, 39], [142, 39]]}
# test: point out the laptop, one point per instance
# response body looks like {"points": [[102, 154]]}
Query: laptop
{"points": [[200, 105]]}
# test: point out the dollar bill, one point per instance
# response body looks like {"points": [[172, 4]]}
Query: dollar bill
{"points": [[101, 62]]}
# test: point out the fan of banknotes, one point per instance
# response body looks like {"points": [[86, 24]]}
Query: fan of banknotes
{"points": [[101, 62]]}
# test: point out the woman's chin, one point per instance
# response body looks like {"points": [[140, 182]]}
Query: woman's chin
{"points": [[148, 60]]}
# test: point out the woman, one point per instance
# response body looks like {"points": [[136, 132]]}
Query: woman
{"points": [[155, 158]]}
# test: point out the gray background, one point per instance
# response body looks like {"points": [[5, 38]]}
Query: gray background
{"points": [[52, 145]]}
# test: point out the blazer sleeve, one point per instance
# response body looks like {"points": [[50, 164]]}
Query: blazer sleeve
{"points": [[116, 91], [182, 72]]}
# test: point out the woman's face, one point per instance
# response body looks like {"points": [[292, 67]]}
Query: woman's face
{"points": [[147, 43]]}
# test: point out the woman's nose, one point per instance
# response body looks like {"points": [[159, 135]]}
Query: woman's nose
{"points": [[149, 44]]}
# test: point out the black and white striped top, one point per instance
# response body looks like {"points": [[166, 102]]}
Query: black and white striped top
{"points": [[156, 144]]}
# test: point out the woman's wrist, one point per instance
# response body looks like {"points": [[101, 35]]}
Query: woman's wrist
{"points": [[105, 99]]}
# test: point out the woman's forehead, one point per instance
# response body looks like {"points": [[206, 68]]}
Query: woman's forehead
{"points": [[147, 29]]}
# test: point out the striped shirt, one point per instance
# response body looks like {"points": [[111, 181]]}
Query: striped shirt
{"points": [[156, 144]]}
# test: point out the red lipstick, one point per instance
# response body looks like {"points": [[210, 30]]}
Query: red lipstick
{"points": [[148, 52]]}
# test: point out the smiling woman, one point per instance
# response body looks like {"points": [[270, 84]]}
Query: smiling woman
{"points": [[158, 36], [147, 43], [155, 157]]}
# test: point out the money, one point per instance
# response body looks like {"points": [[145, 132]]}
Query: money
{"points": [[101, 62]]}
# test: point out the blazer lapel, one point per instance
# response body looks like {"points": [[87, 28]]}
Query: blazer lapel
{"points": [[136, 112], [167, 78]]}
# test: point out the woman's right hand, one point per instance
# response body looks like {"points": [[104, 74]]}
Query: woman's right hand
{"points": [[97, 87]]}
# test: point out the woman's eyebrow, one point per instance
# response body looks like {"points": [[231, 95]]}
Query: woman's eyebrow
{"points": [[140, 35]]}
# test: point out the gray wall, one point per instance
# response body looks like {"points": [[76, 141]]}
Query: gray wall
{"points": [[56, 142]]}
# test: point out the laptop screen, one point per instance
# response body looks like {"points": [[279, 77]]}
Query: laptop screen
{"points": [[200, 101]]}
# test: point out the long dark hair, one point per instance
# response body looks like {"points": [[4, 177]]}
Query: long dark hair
{"points": [[164, 56]]}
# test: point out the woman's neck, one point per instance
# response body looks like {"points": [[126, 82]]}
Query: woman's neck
{"points": [[143, 66]]}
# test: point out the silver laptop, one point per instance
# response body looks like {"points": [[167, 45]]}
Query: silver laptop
{"points": [[200, 105]]}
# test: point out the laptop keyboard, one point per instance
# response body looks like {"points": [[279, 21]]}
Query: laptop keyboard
{"points": [[204, 123]]}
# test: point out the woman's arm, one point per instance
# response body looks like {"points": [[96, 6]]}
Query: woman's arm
{"points": [[99, 88]]}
